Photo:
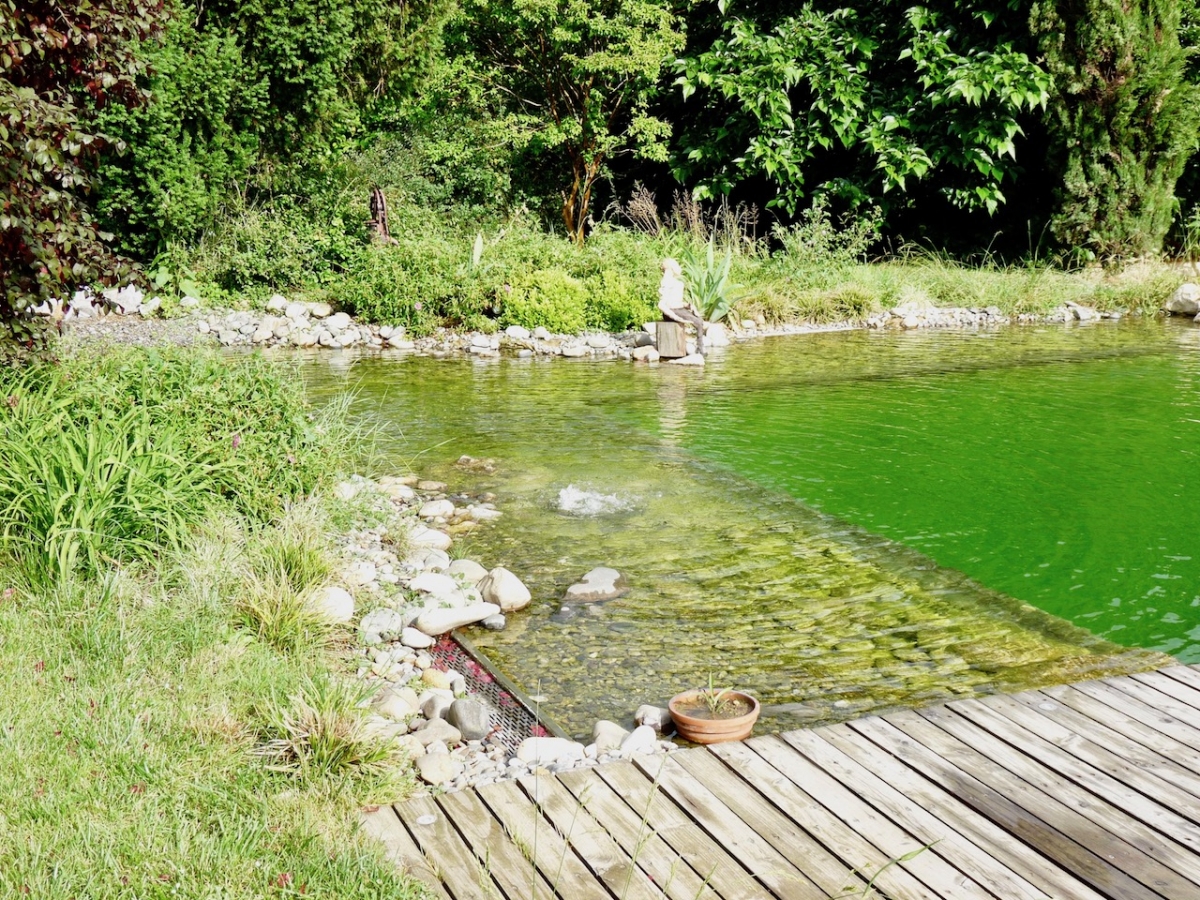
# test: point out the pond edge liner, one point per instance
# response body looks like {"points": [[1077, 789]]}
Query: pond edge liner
{"points": [[513, 720]]}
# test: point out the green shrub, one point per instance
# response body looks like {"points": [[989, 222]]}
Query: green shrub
{"points": [[188, 148], [547, 297], [256, 251], [399, 286], [618, 302]]}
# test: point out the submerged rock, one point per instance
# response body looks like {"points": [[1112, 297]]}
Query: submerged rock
{"points": [[601, 583]]}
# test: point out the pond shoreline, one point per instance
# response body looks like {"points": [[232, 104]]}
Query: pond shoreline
{"points": [[313, 326]]}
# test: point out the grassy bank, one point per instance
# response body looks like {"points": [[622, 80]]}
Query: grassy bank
{"points": [[173, 723], [447, 271]]}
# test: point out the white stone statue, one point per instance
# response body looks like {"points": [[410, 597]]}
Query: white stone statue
{"points": [[672, 303]]}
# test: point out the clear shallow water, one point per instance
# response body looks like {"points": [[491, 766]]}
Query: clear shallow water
{"points": [[840, 523]]}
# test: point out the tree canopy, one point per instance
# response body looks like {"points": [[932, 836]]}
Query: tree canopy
{"points": [[166, 122]]}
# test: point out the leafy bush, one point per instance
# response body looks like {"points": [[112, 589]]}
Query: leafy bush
{"points": [[618, 302], [188, 149], [816, 240], [256, 251], [416, 283], [547, 297]]}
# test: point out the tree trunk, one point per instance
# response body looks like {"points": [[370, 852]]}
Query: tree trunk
{"points": [[578, 200]]}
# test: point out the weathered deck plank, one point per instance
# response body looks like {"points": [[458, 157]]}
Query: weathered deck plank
{"points": [[952, 765], [1024, 860], [1127, 725], [857, 853], [841, 799], [771, 868], [385, 826], [540, 844], [1145, 706], [1126, 762], [669, 870], [1087, 791], [707, 856], [824, 869], [599, 852], [462, 874], [1139, 851], [486, 838], [926, 828]]}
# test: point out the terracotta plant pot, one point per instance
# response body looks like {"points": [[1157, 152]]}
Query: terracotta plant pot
{"points": [[697, 724]]}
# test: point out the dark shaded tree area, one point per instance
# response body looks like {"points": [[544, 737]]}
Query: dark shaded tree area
{"points": [[56, 61], [1123, 121], [1004, 125]]}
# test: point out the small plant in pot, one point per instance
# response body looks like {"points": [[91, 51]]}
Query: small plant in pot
{"points": [[711, 715]]}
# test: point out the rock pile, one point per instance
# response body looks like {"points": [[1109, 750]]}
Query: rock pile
{"points": [[915, 314], [86, 304], [406, 603]]}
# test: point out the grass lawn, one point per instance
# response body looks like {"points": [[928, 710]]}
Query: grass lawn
{"points": [[140, 685]]}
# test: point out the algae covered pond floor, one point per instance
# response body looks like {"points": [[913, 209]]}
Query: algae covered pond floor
{"points": [[838, 523]]}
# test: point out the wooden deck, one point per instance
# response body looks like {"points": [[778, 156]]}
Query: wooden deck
{"points": [[1082, 791]]}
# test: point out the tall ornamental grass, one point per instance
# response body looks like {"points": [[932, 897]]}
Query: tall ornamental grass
{"points": [[75, 494], [107, 458]]}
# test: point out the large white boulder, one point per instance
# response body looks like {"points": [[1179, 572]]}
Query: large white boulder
{"points": [[1185, 301], [438, 621], [437, 508], [608, 736], [716, 335], [430, 537], [359, 573], [504, 589], [468, 570], [434, 583], [545, 751], [333, 603], [642, 739]]}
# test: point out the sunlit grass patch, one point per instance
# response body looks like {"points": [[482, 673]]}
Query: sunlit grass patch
{"points": [[134, 691], [321, 732]]}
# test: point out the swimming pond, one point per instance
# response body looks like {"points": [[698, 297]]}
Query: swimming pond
{"points": [[839, 522]]}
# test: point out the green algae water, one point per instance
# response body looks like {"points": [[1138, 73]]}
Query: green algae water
{"points": [[839, 523]]}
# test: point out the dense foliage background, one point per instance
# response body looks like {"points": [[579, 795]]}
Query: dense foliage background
{"points": [[232, 144]]}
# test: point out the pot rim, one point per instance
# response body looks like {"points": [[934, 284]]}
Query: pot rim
{"points": [[755, 705]]}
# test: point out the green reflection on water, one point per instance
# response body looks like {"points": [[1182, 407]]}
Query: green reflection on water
{"points": [[981, 451]]}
